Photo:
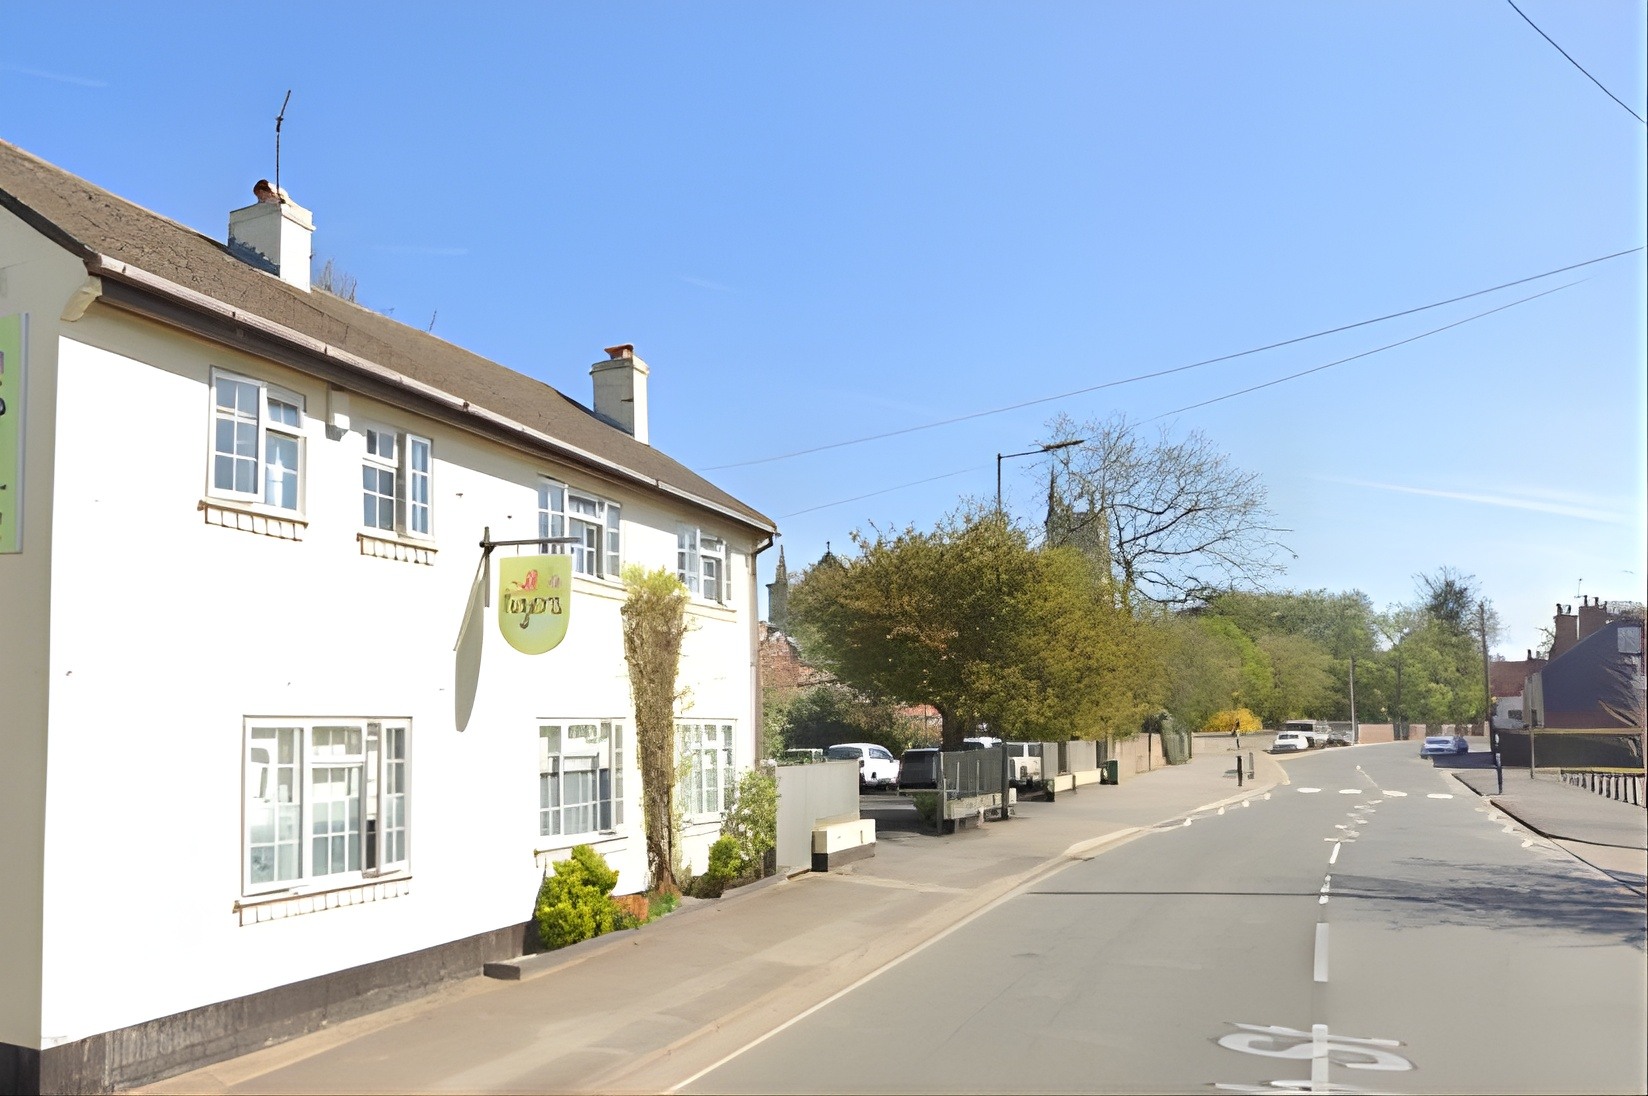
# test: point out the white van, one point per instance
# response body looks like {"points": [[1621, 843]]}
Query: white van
{"points": [[1316, 732]]}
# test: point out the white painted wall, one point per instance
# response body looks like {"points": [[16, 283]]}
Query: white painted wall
{"points": [[36, 278], [167, 632]]}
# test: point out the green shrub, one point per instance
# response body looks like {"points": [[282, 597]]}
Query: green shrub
{"points": [[726, 865], [575, 903], [752, 821], [926, 804]]}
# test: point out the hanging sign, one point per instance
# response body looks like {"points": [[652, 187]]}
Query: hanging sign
{"points": [[533, 598], [12, 331]]}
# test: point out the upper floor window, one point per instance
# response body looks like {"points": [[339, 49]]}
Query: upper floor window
{"points": [[257, 442], [701, 564], [563, 512], [395, 482], [326, 801]]}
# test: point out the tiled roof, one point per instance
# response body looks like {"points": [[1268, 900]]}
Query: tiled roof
{"points": [[91, 222]]}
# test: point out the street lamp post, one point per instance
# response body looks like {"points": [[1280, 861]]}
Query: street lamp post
{"points": [[1028, 453]]}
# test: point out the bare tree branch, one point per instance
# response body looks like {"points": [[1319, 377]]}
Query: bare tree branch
{"points": [[1171, 520]]}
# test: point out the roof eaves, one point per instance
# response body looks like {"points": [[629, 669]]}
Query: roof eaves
{"points": [[101, 265]]}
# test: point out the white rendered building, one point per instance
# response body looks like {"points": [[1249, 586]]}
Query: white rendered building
{"points": [[266, 758]]}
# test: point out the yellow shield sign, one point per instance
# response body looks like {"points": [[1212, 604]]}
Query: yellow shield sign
{"points": [[533, 598]]}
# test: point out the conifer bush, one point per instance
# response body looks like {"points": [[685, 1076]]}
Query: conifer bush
{"points": [[575, 900]]}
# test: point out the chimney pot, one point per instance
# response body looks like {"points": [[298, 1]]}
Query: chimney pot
{"points": [[621, 351]]}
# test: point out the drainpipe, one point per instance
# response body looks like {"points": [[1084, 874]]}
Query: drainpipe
{"points": [[755, 647]]}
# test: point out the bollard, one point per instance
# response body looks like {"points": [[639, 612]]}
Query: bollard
{"points": [[1238, 770], [1249, 764], [1499, 771]]}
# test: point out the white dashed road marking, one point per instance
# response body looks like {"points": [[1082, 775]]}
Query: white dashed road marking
{"points": [[1398, 795], [1439, 795], [1321, 951], [1309, 791], [1334, 859], [1350, 791]]}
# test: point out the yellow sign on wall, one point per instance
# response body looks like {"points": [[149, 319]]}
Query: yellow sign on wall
{"points": [[534, 594], [12, 329]]}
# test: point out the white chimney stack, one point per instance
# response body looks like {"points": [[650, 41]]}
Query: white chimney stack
{"points": [[274, 234], [621, 390]]}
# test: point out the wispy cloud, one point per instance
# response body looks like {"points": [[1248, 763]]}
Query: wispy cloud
{"points": [[1541, 502], [705, 283], [59, 77], [421, 249]]}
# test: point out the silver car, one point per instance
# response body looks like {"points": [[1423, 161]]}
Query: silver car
{"points": [[1438, 744]]}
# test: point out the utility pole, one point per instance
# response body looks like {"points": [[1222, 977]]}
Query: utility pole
{"points": [[1353, 732], [1487, 686]]}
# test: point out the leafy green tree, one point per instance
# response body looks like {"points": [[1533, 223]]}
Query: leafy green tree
{"points": [[1303, 682], [969, 619]]}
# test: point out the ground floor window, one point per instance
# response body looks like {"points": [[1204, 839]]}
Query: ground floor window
{"points": [[580, 777], [707, 781], [326, 801]]}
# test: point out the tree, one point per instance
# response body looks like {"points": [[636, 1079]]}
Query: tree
{"points": [[967, 618], [1309, 638], [1433, 658], [332, 279], [1171, 520], [654, 614]]}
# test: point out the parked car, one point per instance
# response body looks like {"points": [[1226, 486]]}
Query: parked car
{"points": [[1437, 744], [877, 768], [1289, 742], [918, 769], [800, 757], [1340, 738]]}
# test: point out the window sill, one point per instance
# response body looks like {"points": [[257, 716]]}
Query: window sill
{"points": [[608, 588], [278, 907], [253, 517], [385, 545], [603, 843], [712, 608]]}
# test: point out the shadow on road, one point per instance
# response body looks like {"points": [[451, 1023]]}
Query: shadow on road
{"points": [[1443, 892], [1464, 761]]}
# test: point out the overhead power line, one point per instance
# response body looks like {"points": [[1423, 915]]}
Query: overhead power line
{"points": [[1363, 354], [1227, 395], [1162, 372], [1575, 63]]}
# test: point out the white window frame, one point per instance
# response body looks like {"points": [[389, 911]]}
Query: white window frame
{"points": [[564, 511], [708, 757], [372, 842], [702, 564], [267, 425], [597, 746], [410, 487]]}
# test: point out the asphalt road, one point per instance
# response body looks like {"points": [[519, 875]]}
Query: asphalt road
{"points": [[1370, 927]]}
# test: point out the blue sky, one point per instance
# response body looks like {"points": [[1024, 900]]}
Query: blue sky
{"points": [[821, 222]]}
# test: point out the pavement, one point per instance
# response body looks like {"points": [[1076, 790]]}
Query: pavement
{"points": [[640, 1011], [1605, 833]]}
